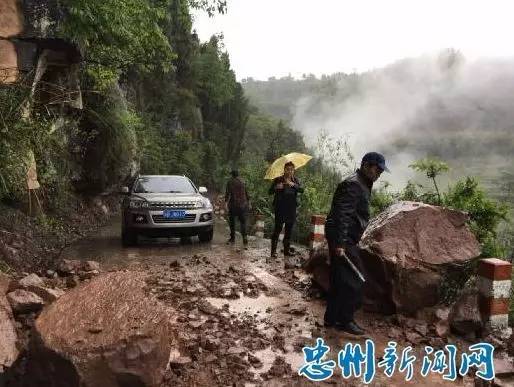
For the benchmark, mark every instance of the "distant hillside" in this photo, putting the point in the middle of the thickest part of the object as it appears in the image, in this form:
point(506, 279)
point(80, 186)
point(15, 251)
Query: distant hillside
point(440, 105)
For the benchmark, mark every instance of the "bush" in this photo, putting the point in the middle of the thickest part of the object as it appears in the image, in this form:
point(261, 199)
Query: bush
point(485, 214)
point(108, 135)
point(26, 127)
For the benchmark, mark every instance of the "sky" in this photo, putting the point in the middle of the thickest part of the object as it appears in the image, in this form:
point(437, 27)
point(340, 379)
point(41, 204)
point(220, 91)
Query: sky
point(279, 37)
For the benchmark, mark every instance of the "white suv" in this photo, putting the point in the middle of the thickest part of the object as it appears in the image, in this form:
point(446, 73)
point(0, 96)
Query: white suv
point(165, 205)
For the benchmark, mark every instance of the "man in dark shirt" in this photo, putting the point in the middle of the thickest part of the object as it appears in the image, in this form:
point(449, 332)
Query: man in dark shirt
point(237, 202)
point(345, 224)
point(285, 188)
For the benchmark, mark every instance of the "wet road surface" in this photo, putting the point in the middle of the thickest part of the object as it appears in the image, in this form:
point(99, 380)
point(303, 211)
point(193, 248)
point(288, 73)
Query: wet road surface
point(241, 319)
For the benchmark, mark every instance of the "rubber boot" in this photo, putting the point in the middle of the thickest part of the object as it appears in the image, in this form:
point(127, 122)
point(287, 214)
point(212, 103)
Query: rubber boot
point(287, 249)
point(274, 243)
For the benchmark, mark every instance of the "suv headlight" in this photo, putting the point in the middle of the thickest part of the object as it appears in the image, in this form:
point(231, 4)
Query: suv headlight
point(203, 203)
point(138, 204)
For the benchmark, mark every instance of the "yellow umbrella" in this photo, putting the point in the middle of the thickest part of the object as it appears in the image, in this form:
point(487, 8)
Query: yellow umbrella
point(277, 168)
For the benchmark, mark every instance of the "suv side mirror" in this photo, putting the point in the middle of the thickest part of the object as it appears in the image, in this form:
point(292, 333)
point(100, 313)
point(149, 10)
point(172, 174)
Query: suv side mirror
point(202, 190)
point(124, 190)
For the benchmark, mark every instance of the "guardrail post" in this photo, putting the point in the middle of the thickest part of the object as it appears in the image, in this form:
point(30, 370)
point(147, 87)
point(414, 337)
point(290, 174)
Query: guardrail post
point(494, 284)
point(317, 236)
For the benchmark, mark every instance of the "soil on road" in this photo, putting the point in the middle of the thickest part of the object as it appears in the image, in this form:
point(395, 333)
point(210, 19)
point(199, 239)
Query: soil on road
point(242, 320)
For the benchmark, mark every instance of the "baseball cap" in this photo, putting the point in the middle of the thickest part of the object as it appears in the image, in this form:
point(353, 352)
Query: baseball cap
point(376, 159)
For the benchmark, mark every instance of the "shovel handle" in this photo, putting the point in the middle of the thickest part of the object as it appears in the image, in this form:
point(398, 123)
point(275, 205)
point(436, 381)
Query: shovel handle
point(352, 266)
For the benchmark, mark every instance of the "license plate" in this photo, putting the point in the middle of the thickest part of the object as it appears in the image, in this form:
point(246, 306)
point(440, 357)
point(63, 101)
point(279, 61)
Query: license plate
point(172, 214)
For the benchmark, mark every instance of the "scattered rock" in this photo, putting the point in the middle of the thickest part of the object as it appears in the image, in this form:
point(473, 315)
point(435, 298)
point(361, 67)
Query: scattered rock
point(47, 294)
point(395, 333)
point(196, 324)
point(174, 263)
point(180, 361)
point(85, 275)
point(236, 350)
point(298, 310)
point(442, 313)
point(437, 342)
point(413, 337)
point(91, 266)
point(72, 281)
point(5, 282)
point(32, 280)
point(8, 350)
point(442, 328)
point(23, 301)
point(464, 317)
point(210, 358)
point(207, 308)
point(255, 361)
point(422, 329)
point(279, 369)
point(131, 344)
point(503, 367)
point(69, 267)
point(212, 344)
point(318, 265)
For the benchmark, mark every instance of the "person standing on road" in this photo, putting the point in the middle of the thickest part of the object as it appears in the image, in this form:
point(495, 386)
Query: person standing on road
point(237, 203)
point(286, 189)
point(345, 224)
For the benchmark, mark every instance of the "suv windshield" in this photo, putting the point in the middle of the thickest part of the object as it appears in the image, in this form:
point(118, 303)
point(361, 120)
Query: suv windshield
point(164, 184)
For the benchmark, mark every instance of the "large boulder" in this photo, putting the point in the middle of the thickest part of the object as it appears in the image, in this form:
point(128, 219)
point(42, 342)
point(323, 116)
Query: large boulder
point(107, 332)
point(8, 337)
point(406, 252)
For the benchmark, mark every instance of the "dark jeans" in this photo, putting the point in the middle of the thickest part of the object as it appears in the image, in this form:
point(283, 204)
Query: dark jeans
point(279, 224)
point(345, 292)
point(239, 213)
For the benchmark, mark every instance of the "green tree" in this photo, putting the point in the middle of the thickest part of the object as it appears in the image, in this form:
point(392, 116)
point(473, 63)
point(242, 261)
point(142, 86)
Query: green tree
point(432, 168)
point(117, 35)
point(485, 214)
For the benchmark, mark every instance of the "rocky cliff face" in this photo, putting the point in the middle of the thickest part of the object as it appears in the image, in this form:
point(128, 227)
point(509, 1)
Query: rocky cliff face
point(31, 48)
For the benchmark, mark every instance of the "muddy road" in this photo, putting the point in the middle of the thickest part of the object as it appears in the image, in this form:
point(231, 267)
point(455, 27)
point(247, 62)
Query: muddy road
point(242, 320)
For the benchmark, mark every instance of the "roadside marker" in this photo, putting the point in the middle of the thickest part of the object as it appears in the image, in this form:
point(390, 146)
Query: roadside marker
point(494, 284)
point(317, 236)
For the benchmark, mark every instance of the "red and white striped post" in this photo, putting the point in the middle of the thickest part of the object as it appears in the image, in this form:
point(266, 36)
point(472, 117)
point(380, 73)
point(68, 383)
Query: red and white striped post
point(259, 226)
point(317, 231)
point(494, 284)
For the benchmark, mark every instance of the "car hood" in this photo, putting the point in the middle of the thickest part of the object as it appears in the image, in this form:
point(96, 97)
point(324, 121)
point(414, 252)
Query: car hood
point(167, 197)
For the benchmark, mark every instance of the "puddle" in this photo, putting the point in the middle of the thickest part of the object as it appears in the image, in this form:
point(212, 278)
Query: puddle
point(104, 246)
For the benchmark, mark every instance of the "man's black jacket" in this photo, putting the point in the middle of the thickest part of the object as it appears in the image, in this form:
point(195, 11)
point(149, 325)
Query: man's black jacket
point(349, 214)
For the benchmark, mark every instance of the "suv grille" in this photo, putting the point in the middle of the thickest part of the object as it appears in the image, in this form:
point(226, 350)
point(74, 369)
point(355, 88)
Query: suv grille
point(172, 205)
point(190, 218)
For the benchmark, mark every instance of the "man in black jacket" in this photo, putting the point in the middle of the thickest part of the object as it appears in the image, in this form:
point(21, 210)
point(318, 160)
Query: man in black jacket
point(285, 188)
point(345, 224)
point(237, 202)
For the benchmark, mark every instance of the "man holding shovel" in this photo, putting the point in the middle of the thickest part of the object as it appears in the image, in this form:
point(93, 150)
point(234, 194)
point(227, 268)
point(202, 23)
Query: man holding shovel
point(345, 224)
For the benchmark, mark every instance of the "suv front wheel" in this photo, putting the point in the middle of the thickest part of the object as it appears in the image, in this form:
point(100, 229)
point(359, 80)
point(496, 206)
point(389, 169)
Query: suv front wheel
point(206, 236)
point(128, 238)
